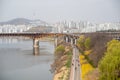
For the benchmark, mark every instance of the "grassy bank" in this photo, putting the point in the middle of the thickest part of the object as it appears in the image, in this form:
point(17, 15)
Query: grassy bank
point(62, 63)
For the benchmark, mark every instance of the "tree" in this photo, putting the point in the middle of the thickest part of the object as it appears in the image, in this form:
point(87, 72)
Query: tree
point(80, 42)
point(109, 66)
point(87, 43)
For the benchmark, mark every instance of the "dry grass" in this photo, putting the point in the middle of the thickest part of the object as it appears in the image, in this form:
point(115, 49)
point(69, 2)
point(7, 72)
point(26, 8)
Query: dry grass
point(93, 75)
point(61, 64)
point(62, 75)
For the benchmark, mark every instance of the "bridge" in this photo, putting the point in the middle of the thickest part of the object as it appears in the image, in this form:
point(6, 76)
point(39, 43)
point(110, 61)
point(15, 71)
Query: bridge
point(71, 38)
point(36, 36)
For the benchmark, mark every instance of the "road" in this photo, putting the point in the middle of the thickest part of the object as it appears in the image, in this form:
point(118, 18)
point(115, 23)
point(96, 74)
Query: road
point(75, 65)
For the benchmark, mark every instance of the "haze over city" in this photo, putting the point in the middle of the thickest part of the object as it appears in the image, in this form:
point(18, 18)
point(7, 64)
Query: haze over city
point(59, 39)
point(59, 10)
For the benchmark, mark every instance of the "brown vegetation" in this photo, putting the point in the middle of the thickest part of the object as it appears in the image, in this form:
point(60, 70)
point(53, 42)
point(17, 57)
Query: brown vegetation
point(96, 42)
point(99, 42)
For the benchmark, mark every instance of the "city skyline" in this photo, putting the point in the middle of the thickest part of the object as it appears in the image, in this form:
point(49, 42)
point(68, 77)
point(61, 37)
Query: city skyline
point(55, 10)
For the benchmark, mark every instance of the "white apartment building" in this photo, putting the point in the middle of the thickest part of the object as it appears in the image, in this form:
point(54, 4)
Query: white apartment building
point(84, 26)
point(14, 28)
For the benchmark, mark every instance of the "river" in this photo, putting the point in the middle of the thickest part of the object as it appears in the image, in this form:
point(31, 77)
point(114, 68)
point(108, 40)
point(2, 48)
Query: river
point(17, 61)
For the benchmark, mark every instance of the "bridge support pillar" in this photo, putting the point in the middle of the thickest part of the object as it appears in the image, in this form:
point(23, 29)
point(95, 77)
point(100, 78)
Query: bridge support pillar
point(66, 39)
point(56, 41)
point(35, 46)
point(71, 41)
point(75, 41)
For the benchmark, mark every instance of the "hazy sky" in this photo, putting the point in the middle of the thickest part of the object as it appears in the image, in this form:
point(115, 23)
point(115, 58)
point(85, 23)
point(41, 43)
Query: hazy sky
point(58, 10)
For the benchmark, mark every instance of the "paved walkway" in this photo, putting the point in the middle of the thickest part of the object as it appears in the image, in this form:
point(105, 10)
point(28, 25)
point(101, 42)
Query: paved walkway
point(75, 65)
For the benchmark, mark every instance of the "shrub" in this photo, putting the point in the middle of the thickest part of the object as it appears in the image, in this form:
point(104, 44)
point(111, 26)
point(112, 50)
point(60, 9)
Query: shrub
point(80, 42)
point(59, 51)
point(68, 63)
point(87, 43)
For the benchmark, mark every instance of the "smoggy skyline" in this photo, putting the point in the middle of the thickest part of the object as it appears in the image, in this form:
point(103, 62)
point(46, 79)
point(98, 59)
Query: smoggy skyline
point(59, 10)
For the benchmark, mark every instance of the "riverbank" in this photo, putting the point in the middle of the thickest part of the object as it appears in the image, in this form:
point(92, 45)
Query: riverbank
point(62, 63)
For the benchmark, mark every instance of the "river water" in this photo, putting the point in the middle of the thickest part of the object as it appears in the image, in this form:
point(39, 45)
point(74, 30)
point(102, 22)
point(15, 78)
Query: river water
point(17, 61)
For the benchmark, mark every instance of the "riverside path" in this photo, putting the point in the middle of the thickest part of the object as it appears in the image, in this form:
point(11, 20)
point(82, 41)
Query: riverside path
point(75, 65)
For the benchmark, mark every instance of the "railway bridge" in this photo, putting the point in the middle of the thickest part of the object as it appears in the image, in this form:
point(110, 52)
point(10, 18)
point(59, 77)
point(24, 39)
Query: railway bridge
point(36, 36)
point(68, 37)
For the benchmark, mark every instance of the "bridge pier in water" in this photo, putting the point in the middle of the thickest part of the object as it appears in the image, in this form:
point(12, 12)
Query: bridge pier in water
point(35, 46)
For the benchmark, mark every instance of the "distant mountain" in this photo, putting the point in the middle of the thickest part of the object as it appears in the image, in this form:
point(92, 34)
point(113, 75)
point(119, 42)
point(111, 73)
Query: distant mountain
point(21, 21)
